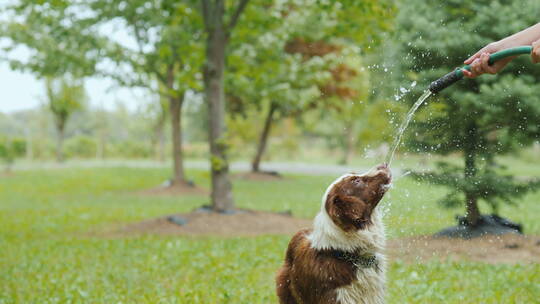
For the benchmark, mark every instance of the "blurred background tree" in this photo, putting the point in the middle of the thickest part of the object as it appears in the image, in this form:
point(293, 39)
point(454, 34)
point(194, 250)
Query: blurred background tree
point(265, 80)
point(347, 92)
point(64, 97)
point(159, 112)
point(166, 59)
point(480, 118)
point(60, 52)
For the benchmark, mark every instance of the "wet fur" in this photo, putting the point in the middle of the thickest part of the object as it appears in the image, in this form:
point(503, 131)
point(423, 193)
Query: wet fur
point(348, 221)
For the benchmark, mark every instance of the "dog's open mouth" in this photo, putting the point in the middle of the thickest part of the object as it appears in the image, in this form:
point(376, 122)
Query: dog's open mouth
point(386, 175)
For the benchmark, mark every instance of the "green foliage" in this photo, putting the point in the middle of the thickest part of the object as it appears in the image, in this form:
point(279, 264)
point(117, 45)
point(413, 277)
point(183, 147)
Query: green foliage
point(18, 146)
point(5, 153)
point(284, 53)
point(479, 118)
point(69, 38)
point(64, 97)
point(494, 188)
point(265, 65)
point(168, 44)
point(130, 149)
point(261, 71)
point(349, 85)
point(81, 146)
point(377, 116)
point(57, 45)
point(241, 131)
point(360, 22)
point(217, 164)
point(354, 111)
point(10, 149)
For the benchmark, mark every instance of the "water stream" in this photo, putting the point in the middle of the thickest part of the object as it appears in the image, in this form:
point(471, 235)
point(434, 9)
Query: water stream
point(404, 125)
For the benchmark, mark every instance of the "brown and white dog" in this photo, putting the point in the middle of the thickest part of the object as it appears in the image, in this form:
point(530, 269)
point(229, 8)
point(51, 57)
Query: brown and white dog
point(341, 259)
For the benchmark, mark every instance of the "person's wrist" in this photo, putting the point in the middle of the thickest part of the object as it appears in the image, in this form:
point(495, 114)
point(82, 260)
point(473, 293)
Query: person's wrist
point(507, 43)
point(514, 41)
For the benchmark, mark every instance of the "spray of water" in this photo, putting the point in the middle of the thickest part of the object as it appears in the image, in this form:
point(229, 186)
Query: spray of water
point(404, 125)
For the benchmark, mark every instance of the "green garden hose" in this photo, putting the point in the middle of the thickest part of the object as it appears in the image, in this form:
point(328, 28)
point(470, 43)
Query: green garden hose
point(457, 74)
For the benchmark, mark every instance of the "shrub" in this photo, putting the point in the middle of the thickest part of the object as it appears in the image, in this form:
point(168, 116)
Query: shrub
point(81, 146)
point(10, 149)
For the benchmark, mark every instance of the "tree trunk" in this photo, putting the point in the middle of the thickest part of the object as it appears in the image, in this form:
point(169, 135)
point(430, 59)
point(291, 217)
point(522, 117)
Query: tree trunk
point(263, 140)
point(175, 107)
point(222, 199)
point(60, 128)
point(159, 136)
point(472, 211)
point(160, 142)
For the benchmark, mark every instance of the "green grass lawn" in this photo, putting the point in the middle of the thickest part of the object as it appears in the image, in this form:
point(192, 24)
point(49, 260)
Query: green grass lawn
point(46, 255)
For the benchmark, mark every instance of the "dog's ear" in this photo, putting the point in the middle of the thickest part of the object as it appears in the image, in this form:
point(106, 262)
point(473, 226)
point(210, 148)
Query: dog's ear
point(348, 212)
point(346, 201)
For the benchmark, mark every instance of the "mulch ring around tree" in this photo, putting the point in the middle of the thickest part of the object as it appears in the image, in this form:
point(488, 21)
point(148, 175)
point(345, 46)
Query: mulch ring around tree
point(202, 222)
point(507, 248)
point(180, 189)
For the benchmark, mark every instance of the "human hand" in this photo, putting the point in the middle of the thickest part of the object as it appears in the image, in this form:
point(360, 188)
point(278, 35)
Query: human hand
point(479, 61)
point(535, 54)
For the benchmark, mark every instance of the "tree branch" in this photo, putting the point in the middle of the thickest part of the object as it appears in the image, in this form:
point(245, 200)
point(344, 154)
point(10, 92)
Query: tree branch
point(161, 77)
point(151, 67)
point(236, 15)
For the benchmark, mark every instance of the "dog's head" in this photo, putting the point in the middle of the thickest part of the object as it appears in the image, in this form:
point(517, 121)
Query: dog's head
point(350, 200)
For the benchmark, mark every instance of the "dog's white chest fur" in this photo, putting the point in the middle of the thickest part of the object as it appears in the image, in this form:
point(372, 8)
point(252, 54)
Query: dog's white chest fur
point(369, 286)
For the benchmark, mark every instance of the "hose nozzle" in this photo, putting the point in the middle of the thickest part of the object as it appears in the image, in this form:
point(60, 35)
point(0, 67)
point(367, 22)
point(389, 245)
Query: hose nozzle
point(445, 81)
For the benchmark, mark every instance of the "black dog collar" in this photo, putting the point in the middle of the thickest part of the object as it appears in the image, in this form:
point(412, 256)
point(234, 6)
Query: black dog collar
point(358, 260)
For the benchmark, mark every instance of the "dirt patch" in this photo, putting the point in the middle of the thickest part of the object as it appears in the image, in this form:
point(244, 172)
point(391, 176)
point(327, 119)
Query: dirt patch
point(259, 176)
point(507, 248)
point(7, 174)
point(241, 223)
point(174, 190)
